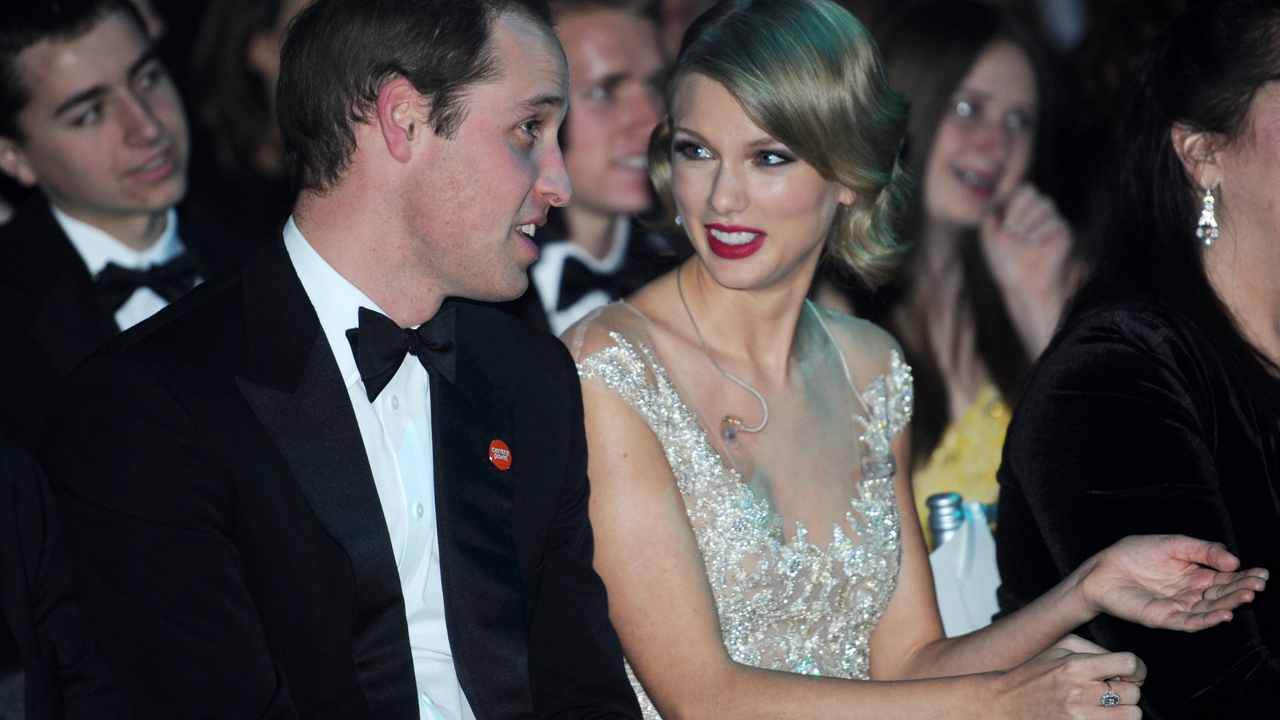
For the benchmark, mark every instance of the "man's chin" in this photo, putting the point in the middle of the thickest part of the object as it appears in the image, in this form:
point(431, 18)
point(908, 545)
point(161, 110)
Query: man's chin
point(510, 289)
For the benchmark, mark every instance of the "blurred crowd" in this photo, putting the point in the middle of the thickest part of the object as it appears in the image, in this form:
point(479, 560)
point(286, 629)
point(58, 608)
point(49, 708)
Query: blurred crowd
point(176, 174)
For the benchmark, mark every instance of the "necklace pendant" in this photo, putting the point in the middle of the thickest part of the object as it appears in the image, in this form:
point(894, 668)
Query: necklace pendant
point(729, 430)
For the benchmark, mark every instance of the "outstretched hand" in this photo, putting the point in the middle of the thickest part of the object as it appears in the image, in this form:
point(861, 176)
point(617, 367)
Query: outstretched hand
point(1171, 582)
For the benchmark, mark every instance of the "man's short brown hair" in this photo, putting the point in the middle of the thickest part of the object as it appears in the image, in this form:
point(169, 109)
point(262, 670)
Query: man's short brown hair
point(340, 53)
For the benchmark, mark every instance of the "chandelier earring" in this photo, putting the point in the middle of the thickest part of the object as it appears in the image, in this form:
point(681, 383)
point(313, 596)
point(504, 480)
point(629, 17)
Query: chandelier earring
point(1207, 228)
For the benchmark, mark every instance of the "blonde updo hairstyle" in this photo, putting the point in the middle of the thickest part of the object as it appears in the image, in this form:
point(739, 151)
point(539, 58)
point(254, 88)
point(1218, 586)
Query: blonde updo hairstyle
point(808, 74)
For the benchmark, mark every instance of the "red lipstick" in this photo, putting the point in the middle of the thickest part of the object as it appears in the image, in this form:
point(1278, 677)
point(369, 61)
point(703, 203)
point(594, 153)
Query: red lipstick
point(734, 252)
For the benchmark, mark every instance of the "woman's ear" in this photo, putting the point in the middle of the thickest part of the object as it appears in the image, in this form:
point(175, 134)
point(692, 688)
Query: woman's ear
point(1200, 153)
point(847, 196)
point(262, 55)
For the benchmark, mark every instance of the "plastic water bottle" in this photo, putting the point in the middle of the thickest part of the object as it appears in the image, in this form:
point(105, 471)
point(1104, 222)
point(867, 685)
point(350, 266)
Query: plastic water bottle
point(946, 515)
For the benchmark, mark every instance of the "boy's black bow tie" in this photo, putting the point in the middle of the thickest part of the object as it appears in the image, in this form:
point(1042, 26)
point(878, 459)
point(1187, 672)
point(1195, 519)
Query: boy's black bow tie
point(170, 281)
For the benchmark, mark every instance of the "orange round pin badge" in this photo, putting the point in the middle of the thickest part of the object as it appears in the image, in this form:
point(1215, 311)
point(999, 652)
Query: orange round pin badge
point(500, 454)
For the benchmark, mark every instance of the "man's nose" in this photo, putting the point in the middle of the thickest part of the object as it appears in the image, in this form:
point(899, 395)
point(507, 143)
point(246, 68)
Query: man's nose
point(141, 126)
point(644, 111)
point(553, 183)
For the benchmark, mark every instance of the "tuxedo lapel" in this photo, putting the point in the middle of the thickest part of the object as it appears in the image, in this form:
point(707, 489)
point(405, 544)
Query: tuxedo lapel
point(70, 320)
point(485, 607)
point(297, 393)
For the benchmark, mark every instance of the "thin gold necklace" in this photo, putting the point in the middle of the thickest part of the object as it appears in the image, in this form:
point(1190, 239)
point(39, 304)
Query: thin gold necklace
point(730, 426)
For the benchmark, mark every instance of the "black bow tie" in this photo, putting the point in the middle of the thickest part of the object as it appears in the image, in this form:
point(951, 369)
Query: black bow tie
point(577, 280)
point(170, 281)
point(379, 345)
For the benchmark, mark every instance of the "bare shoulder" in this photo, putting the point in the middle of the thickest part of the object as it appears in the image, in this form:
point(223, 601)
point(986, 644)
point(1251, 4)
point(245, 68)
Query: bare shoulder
point(633, 321)
point(868, 348)
point(602, 329)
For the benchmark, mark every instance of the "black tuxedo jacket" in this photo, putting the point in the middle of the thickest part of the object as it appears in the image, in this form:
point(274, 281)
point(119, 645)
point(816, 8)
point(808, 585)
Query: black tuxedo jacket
point(50, 668)
point(50, 316)
point(231, 549)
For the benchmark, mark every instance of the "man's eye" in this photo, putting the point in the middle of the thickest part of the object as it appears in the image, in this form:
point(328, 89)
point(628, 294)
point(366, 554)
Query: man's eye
point(531, 127)
point(150, 78)
point(90, 116)
point(691, 151)
point(600, 93)
point(965, 109)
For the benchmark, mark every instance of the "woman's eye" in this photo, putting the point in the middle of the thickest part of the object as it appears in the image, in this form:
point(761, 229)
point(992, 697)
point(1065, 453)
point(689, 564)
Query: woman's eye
point(692, 151)
point(599, 93)
point(965, 109)
point(772, 159)
point(1020, 121)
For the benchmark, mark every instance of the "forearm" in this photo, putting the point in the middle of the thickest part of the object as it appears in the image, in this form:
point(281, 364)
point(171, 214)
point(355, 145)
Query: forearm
point(1035, 319)
point(1012, 640)
point(746, 693)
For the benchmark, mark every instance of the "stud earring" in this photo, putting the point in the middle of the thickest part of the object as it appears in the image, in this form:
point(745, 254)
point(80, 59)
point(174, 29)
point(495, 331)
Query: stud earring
point(679, 220)
point(1207, 228)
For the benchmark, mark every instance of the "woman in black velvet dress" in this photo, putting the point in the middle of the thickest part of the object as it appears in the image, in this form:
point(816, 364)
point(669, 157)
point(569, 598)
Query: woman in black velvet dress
point(1157, 407)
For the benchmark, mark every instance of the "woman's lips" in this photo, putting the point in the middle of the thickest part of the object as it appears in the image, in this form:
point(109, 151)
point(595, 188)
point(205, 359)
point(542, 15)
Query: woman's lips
point(735, 241)
point(980, 184)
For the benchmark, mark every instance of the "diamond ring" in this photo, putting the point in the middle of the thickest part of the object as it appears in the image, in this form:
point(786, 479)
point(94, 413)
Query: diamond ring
point(1111, 699)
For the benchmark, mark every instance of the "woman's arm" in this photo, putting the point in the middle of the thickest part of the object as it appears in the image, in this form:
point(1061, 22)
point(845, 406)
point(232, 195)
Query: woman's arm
point(664, 611)
point(1157, 580)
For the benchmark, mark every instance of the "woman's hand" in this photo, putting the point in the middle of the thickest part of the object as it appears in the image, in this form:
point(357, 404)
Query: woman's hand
point(1171, 582)
point(1077, 644)
point(1025, 242)
point(1059, 683)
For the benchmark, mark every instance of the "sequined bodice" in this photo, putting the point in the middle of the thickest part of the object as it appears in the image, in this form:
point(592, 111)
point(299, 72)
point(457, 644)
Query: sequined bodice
point(783, 605)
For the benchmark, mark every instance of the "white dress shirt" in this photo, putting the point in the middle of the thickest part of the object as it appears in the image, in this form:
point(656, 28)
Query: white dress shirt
point(546, 273)
point(98, 247)
point(396, 429)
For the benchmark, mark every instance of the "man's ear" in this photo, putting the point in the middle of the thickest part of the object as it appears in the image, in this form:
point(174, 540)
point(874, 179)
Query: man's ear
point(13, 161)
point(400, 117)
point(1200, 153)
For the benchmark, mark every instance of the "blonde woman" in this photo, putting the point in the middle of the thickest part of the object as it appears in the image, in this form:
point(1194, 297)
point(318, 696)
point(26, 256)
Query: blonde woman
point(753, 521)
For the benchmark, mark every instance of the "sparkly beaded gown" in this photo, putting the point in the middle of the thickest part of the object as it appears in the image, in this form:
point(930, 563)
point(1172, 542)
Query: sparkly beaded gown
point(797, 524)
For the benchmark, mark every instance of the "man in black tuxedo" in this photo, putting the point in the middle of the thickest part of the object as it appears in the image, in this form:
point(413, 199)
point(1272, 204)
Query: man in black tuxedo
point(326, 486)
point(89, 117)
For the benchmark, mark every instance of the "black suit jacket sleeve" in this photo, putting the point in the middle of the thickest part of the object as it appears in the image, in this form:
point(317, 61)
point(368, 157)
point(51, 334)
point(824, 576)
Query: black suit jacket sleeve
point(64, 674)
point(1119, 434)
point(573, 650)
point(168, 596)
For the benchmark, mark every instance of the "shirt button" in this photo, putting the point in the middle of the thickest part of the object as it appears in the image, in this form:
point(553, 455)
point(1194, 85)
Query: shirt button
point(395, 402)
point(418, 510)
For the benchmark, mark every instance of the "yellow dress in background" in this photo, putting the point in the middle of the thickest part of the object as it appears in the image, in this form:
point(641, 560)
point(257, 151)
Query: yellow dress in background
point(967, 458)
